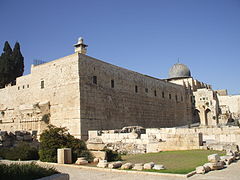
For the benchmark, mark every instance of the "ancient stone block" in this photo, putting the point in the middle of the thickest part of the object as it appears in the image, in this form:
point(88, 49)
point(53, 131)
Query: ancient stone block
point(127, 166)
point(148, 165)
point(158, 167)
point(115, 165)
point(102, 164)
point(213, 158)
point(138, 166)
point(64, 156)
point(99, 154)
point(95, 146)
point(200, 170)
point(81, 161)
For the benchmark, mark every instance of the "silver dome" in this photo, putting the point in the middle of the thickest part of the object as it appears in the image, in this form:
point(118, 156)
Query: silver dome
point(179, 71)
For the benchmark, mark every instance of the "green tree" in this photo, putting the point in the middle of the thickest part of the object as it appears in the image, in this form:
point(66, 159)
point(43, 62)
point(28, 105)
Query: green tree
point(5, 65)
point(11, 64)
point(18, 60)
point(54, 138)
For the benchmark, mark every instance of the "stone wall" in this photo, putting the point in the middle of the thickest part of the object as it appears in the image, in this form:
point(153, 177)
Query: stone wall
point(62, 92)
point(56, 84)
point(156, 103)
point(165, 139)
point(190, 83)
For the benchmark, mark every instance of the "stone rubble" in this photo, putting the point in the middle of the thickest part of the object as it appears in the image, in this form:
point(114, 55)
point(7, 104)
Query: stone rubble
point(213, 158)
point(200, 170)
point(115, 165)
point(102, 164)
point(127, 166)
point(81, 161)
point(148, 165)
point(158, 167)
point(138, 167)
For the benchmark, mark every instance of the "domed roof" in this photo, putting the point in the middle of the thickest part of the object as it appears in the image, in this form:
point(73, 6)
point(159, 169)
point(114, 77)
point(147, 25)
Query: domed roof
point(179, 71)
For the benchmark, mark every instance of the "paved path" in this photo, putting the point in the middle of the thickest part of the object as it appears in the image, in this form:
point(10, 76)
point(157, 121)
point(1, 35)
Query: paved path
point(230, 173)
point(79, 173)
point(89, 174)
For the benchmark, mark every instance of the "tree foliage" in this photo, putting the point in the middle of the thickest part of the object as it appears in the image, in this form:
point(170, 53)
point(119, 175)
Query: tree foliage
point(11, 64)
point(54, 138)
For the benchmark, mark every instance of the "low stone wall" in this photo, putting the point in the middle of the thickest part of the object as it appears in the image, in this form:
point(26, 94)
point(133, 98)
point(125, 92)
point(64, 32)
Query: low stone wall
point(162, 139)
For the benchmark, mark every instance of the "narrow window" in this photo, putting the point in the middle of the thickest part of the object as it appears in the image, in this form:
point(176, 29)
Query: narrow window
point(18, 87)
point(176, 97)
point(112, 83)
point(170, 96)
point(181, 98)
point(42, 84)
point(28, 86)
point(136, 89)
point(23, 86)
point(162, 94)
point(146, 90)
point(94, 79)
point(155, 93)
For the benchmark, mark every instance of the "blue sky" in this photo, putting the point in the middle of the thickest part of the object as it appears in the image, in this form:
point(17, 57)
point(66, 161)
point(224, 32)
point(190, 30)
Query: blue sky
point(144, 36)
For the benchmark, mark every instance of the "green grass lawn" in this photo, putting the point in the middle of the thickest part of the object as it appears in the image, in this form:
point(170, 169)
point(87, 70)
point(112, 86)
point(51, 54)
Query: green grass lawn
point(179, 162)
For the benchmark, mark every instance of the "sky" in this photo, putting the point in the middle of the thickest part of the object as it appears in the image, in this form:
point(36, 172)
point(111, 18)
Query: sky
point(143, 36)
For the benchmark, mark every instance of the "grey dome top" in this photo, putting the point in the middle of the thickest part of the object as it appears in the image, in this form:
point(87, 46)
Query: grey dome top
point(179, 71)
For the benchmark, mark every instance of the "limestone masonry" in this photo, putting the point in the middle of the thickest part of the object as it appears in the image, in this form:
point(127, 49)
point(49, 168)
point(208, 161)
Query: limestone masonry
point(83, 93)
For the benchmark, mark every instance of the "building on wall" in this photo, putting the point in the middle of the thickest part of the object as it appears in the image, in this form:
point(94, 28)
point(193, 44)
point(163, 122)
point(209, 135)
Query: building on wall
point(83, 93)
point(211, 107)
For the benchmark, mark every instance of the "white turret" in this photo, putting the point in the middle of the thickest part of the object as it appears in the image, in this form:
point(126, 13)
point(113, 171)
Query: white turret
point(80, 47)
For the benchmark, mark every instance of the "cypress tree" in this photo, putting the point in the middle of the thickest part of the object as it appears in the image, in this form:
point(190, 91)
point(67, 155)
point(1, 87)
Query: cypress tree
point(5, 65)
point(18, 60)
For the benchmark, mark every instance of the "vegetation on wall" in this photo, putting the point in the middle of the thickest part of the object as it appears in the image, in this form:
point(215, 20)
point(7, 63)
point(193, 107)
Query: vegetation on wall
point(54, 137)
point(11, 64)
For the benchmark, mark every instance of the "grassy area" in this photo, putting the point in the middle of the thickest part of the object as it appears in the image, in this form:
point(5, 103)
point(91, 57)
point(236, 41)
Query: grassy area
point(179, 162)
point(31, 171)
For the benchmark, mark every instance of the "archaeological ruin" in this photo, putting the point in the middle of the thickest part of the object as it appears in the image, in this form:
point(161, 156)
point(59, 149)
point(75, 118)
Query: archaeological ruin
point(91, 97)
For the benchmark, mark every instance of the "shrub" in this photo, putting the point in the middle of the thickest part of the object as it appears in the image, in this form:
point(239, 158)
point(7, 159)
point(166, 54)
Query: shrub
point(31, 171)
point(22, 151)
point(54, 138)
point(112, 155)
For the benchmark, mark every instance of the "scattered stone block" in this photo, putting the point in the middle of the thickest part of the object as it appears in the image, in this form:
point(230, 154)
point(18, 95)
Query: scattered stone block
point(148, 165)
point(64, 156)
point(96, 146)
point(206, 167)
point(115, 165)
point(102, 164)
point(200, 170)
point(81, 161)
point(138, 167)
point(96, 160)
point(99, 154)
point(213, 158)
point(227, 159)
point(127, 166)
point(215, 166)
point(158, 167)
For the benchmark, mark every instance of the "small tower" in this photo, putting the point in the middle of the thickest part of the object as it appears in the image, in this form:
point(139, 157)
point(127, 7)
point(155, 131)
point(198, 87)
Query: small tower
point(80, 47)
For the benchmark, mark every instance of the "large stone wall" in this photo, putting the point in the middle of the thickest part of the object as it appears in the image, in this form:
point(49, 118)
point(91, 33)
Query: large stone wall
point(23, 106)
point(62, 91)
point(107, 107)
